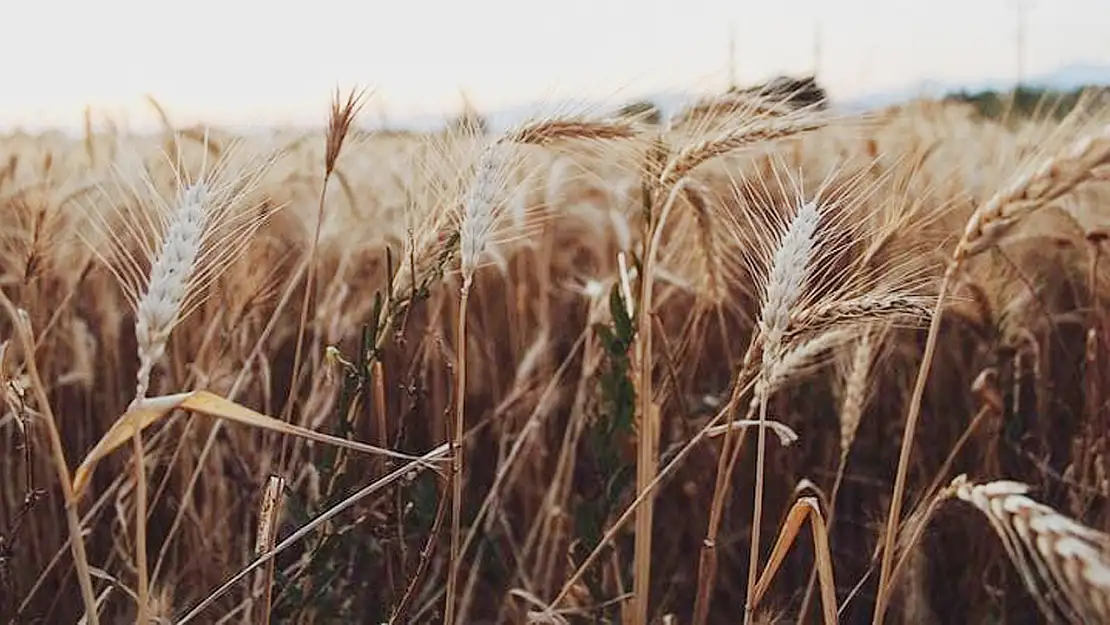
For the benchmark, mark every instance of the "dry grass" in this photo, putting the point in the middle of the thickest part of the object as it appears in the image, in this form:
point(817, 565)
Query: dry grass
point(511, 378)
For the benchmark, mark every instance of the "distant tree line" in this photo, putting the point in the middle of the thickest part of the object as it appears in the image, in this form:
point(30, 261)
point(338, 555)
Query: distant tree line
point(1025, 102)
point(803, 92)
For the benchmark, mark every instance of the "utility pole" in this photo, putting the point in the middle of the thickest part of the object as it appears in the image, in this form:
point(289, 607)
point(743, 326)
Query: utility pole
point(1021, 8)
point(732, 56)
point(816, 48)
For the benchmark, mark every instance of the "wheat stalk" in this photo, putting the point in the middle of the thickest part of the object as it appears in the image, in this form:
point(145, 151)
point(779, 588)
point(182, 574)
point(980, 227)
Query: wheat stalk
point(340, 119)
point(479, 216)
point(787, 278)
point(987, 227)
point(23, 332)
point(197, 239)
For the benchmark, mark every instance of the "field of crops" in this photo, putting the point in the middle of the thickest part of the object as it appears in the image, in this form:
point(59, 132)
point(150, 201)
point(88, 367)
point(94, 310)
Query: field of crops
point(472, 377)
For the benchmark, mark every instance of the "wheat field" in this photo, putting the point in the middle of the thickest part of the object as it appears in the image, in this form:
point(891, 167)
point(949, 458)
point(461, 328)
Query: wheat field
point(473, 377)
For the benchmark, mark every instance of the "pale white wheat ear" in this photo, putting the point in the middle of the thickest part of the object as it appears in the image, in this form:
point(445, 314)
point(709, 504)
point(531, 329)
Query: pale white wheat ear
point(479, 209)
point(164, 255)
point(166, 252)
point(798, 248)
point(786, 281)
point(790, 270)
point(479, 215)
point(1064, 564)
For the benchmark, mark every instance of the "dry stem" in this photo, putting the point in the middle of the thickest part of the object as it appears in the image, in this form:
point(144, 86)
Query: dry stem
point(57, 452)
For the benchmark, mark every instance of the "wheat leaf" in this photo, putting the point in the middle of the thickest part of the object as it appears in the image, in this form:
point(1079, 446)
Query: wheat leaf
point(148, 411)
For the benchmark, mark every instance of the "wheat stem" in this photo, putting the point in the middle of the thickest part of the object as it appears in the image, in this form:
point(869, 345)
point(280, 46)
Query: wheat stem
point(907, 444)
point(57, 454)
point(455, 441)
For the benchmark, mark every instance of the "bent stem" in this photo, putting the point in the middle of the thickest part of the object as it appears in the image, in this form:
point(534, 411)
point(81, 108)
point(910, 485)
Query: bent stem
point(455, 440)
point(907, 445)
point(757, 507)
point(802, 510)
point(57, 453)
point(807, 598)
point(707, 563)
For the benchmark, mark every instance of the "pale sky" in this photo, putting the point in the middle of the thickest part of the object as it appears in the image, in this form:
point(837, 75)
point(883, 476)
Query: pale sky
point(252, 61)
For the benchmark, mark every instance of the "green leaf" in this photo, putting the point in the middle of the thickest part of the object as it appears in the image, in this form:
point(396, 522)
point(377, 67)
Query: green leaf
point(621, 321)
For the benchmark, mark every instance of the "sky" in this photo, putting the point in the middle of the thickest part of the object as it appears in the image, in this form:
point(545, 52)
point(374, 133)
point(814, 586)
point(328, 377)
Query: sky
point(277, 61)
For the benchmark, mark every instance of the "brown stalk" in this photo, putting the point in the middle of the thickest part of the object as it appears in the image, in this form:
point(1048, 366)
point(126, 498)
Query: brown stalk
point(57, 452)
point(647, 460)
point(339, 124)
point(986, 227)
point(377, 373)
point(455, 440)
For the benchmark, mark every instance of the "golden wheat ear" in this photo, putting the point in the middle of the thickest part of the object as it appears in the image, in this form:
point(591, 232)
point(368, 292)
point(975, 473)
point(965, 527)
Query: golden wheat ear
point(1064, 564)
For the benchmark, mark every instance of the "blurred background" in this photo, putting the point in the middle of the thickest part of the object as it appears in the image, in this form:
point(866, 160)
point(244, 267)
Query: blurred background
point(276, 62)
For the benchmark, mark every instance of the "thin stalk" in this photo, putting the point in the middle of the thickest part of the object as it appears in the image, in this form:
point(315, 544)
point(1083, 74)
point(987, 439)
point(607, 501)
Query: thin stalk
point(57, 453)
point(309, 292)
point(456, 441)
point(707, 564)
point(907, 444)
point(647, 461)
point(143, 599)
point(757, 507)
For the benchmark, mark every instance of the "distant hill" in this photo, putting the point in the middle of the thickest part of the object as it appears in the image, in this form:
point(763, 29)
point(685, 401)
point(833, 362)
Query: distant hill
point(1066, 78)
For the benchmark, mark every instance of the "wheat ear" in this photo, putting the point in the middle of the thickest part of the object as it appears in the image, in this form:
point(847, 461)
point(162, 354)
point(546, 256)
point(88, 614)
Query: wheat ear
point(160, 307)
point(548, 131)
point(478, 221)
point(695, 154)
point(158, 311)
point(789, 271)
point(1065, 565)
